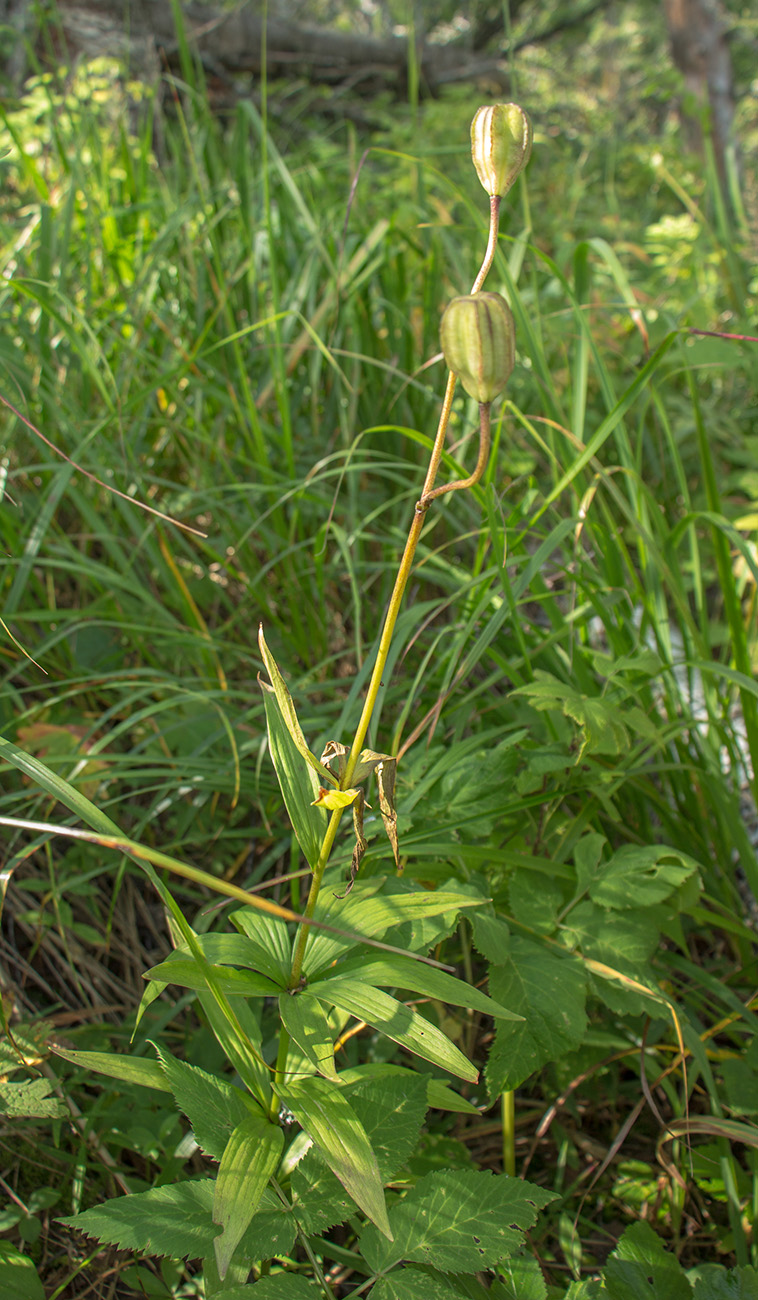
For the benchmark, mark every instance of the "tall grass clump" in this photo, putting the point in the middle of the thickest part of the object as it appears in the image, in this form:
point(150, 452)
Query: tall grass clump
point(558, 721)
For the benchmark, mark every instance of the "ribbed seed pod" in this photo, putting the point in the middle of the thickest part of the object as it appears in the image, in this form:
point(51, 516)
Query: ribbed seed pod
point(501, 142)
point(477, 335)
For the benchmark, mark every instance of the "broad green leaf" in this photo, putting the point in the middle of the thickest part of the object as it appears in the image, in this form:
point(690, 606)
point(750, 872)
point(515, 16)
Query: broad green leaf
point(251, 1156)
point(213, 1106)
point(519, 1278)
point(371, 914)
point(253, 950)
point(550, 992)
point(401, 972)
point(182, 969)
point(30, 1099)
point(239, 1037)
point(626, 940)
point(600, 718)
point(297, 781)
point(459, 1221)
point(640, 1268)
point(398, 1022)
point(307, 1024)
point(713, 1282)
point(175, 1220)
point(277, 1286)
point(411, 1283)
point(328, 1118)
point(441, 1097)
point(269, 935)
point(640, 875)
point(319, 1201)
point(438, 1093)
point(491, 936)
point(19, 1279)
point(129, 1069)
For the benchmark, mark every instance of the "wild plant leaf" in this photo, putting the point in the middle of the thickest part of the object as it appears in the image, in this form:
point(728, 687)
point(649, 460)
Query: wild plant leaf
point(519, 1278)
point(400, 972)
point(550, 992)
point(640, 875)
point(626, 940)
point(250, 1158)
point(491, 935)
point(286, 709)
point(307, 1024)
point(714, 1282)
point(270, 935)
point(599, 718)
point(372, 914)
point(240, 1041)
point(458, 1221)
point(175, 1220)
point(409, 1283)
point(327, 1117)
point(319, 1201)
point(277, 1286)
point(30, 1099)
point(129, 1069)
point(213, 1106)
point(19, 1279)
point(438, 1094)
point(640, 1268)
point(182, 969)
point(400, 1023)
point(246, 949)
point(441, 1097)
point(298, 783)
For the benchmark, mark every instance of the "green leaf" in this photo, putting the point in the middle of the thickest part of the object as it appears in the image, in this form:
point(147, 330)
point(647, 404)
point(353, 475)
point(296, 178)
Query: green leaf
point(239, 1036)
point(213, 1106)
point(251, 1156)
point(177, 1221)
point(297, 782)
point(319, 1201)
point(287, 712)
point(461, 1222)
point(550, 992)
point(277, 1286)
point(19, 1279)
point(328, 1118)
point(641, 1269)
point(174, 1220)
point(713, 1282)
point(246, 949)
point(640, 875)
point(623, 940)
point(371, 914)
point(520, 1278)
point(415, 1284)
point(402, 972)
point(307, 1024)
point(182, 969)
point(271, 940)
point(128, 1069)
point(599, 718)
point(398, 1022)
point(30, 1099)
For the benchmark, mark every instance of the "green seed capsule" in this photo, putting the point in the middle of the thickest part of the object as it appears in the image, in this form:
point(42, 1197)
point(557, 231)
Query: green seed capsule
point(477, 335)
point(501, 142)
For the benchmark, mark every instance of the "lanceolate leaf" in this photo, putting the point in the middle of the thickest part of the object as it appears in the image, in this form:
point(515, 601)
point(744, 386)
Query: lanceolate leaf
point(251, 1156)
point(298, 782)
point(129, 1069)
point(307, 1024)
point(329, 1119)
point(459, 1221)
point(182, 969)
point(399, 972)
point(287, 711)
point(394, 1019)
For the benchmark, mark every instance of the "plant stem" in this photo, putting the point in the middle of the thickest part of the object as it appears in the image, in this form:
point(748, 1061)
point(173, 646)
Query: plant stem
point(509, 1133)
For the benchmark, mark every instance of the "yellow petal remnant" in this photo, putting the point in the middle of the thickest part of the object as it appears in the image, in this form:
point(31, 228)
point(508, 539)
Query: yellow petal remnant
point(501, 142)
point(477, 335)
point(333, 799)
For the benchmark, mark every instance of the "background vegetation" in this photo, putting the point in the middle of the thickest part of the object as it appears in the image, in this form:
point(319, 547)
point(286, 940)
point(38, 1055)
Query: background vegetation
point(229, 320)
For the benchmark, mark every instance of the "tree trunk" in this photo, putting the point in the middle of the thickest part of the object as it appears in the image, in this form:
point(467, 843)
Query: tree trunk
point(700, 50)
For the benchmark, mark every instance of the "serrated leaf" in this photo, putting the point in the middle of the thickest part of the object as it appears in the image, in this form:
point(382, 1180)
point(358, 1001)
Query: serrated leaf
point(713, 1282)
point(128, 1069)
point(411, 1283)
point(460, 1222)
point(400, 1023)
point(307, 1024)
point(550, 992)
point(491, 935)
point(30, 1099)
point(277, 1286)
point(640, 875)
point(401, 972)
point(174, 1220)
point(328, 1118)
point(213, 1106)
point(250, 1158)
point(319, 1201)
point(640, 1268)
point(599, 718)
point(520, 1278)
